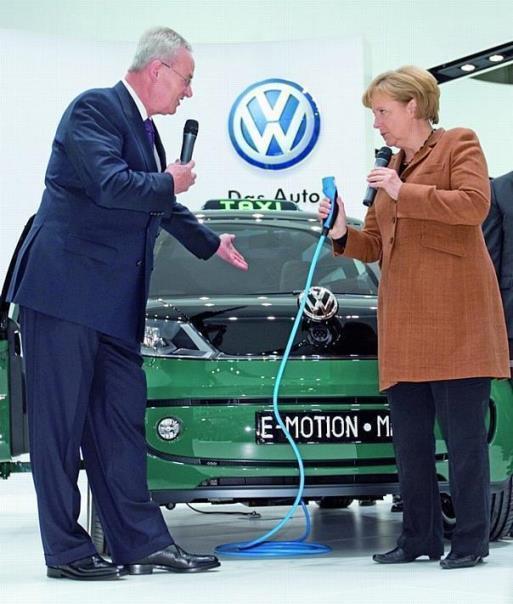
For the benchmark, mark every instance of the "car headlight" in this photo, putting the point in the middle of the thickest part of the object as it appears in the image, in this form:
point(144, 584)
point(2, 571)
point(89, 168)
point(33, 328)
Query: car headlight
point(168, 338)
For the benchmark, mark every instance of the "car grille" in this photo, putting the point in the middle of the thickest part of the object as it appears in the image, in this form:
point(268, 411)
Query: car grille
point(294, 481)
point(220, 402)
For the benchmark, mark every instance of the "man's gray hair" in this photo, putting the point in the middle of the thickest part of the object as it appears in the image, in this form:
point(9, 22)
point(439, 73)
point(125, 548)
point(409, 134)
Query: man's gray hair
point(157, 43)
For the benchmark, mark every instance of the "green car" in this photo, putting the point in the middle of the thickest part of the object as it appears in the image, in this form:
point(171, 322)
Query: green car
point(214, 339)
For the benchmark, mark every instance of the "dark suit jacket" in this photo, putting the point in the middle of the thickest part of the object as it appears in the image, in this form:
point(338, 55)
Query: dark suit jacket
point(89, 254)
point(498, 232)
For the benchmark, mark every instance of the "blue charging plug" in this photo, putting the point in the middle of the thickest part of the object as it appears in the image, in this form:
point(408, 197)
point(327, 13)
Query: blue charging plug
point(329, 188)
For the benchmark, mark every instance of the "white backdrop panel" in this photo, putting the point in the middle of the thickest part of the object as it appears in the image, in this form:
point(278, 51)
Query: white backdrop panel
point(41, 75)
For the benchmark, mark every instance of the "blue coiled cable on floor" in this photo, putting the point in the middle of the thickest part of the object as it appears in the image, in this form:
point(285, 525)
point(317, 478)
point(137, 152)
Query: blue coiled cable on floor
point(262, 547)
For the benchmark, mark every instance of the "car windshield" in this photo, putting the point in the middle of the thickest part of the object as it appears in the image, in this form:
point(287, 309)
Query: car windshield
point(278, 255)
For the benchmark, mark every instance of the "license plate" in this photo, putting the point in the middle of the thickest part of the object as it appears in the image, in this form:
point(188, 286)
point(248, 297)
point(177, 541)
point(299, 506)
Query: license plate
point(362, 426)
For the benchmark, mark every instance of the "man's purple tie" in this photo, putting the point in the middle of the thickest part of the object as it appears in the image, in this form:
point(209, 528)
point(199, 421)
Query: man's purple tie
point(150, 131)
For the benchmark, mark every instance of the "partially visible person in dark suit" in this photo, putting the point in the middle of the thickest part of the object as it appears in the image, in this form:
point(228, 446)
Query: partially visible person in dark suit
point(81, 281)
point(441, 328)
point(498, 232)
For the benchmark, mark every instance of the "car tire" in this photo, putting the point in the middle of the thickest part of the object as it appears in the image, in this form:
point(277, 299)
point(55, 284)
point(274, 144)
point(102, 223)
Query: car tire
point(501, 513)
point(94, 527)
point(334, 503)
point(501, 521)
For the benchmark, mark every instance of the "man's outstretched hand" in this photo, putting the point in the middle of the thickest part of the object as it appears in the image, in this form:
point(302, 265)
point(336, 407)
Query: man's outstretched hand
point(228, 253)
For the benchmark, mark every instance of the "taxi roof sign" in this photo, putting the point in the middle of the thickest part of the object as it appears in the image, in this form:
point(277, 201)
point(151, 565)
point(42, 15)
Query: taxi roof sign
point(250, 205)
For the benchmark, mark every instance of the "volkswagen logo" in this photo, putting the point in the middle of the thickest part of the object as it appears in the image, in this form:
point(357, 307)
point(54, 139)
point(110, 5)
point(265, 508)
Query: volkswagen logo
point(274, 124)
point(321, 304)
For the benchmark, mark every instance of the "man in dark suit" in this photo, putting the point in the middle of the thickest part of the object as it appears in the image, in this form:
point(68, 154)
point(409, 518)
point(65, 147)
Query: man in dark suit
point(81, 281)
point(498, 232)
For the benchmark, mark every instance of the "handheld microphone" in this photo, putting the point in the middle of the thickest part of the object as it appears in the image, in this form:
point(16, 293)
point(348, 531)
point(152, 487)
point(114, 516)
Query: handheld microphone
point(382, 160)
point(190, 131)
point(330, 190)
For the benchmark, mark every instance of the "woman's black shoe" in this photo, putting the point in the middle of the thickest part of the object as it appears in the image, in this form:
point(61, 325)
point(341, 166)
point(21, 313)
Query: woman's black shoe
point(399, 556)
point(454, 561)
point(92, 568)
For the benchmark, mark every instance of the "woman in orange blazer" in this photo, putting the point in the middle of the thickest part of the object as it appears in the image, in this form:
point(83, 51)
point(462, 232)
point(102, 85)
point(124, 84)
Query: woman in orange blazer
point(441, 326)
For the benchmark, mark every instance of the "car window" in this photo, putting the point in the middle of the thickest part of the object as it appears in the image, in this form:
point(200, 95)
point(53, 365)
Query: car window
point(279, 259)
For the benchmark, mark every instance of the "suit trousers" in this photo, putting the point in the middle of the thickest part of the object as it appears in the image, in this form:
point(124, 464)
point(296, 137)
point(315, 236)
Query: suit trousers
point(460, 406)
point(86, 391)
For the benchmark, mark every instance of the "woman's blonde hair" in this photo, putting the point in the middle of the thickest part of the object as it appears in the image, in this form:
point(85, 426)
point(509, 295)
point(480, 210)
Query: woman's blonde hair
point(403, 85)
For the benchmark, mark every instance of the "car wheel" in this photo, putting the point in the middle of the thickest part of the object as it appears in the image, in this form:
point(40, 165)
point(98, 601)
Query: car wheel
point(501, 513)
point(94, 527)
point(501, 521)
point(448, 515)
point(334, 503)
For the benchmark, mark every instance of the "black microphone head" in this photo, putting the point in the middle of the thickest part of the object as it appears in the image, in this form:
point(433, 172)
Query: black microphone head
point(382, 160)
point(190, 131)
point(385, 153)
point(191, 127)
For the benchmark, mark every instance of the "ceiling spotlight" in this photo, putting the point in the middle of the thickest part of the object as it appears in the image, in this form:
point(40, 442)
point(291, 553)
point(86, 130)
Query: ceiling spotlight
point(489, 59)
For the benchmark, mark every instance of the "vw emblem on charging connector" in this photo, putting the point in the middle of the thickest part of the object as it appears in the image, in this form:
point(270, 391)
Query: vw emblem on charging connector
point(321, 304)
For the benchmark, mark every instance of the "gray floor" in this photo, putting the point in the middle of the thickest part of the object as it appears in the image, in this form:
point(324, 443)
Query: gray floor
point(347, 575)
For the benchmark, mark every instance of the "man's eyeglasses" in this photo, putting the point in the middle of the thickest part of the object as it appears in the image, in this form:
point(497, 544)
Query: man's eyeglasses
point(186, 81)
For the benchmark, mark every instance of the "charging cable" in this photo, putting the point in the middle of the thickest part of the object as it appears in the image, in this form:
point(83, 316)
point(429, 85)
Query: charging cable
point(262, 547)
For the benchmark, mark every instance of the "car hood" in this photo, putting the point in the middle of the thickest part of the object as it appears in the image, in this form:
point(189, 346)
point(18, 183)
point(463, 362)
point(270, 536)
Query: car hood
point(260, 325)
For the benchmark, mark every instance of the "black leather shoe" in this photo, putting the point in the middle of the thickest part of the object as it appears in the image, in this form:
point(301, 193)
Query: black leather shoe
point(92, 568)
point(453, 560)
point(173, 559)
point(399, 556)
